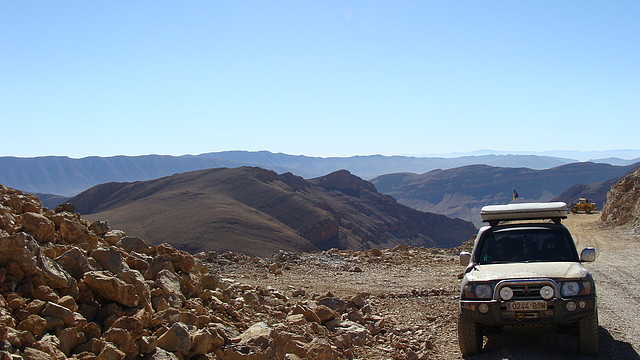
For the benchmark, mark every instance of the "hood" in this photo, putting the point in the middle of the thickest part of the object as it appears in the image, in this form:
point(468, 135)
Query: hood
point(553, 270)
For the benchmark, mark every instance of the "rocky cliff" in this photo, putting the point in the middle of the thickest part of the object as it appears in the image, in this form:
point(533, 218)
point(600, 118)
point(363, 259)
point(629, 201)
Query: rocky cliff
point(623, 202)
point(71, 289)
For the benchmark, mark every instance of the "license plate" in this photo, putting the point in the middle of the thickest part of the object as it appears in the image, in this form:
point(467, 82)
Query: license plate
point(527, 306)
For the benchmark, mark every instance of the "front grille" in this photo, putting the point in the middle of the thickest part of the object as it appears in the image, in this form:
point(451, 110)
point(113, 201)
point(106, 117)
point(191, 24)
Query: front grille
point(526, 289)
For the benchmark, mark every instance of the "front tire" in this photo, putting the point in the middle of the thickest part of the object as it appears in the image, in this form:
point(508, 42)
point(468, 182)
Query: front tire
point(469, 336)
point(588, 334)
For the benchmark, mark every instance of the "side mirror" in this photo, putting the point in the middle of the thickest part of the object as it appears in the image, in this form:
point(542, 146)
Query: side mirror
point(588, 254)
point(465, 258)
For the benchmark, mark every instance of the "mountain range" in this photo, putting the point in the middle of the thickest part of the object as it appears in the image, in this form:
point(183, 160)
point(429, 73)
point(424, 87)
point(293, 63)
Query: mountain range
point(258, 212)
point(461, 192)
point(66, 176)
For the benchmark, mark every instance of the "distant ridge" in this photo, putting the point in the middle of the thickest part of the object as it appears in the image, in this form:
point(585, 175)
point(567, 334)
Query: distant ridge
point(67, 177)
point(461, 192)
point(595, 192)
point(258, 212)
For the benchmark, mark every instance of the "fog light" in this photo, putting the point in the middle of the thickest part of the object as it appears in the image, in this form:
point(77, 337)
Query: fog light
point(583, 304)
point(571, 306)
point(506, 293)
point(483, 308)
point(546, 292)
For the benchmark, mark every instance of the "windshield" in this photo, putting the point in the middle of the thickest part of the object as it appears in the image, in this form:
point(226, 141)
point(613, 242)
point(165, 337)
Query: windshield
point(526, 245)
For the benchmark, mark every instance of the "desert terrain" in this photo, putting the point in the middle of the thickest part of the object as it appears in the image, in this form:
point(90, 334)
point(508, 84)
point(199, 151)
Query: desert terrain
point(416, 291)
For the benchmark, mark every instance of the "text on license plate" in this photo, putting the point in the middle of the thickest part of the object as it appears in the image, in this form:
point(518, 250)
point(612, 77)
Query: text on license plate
point(527, 305)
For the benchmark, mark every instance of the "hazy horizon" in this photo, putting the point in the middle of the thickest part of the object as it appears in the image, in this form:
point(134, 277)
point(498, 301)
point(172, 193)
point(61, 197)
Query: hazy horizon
point(624, 154)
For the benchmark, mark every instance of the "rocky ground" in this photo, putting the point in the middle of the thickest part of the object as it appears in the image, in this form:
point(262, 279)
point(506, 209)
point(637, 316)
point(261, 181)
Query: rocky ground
point(415, 291)
point(71, 289)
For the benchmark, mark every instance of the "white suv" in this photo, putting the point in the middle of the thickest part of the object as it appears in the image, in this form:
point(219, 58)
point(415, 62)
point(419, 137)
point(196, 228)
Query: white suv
point(526, 274)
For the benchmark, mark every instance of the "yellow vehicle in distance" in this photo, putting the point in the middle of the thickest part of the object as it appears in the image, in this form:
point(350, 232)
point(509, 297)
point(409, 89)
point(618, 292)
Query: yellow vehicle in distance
point(583, 205)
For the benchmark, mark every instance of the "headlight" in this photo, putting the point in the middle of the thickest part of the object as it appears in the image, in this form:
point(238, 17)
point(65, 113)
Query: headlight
point(506, 293)
point(478, 291)
point(570, 288)
point(577, 288)
point(546, 292)
point(483, 291)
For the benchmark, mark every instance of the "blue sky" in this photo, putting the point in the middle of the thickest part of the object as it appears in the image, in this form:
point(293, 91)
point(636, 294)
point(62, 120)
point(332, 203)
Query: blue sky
point(318, 78)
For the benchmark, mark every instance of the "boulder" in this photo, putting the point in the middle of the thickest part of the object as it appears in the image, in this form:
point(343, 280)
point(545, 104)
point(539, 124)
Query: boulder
point(45, 293)
point(75, 262)
point(132, 243)
point(7, 222)
point(182, 261)
point(321, 349)
point(30, 353)
point(357, 333)
point(70, 337)
point(158, 264)
point(50, 344)
point(143, 291)
point(99, 227)
point(73, 232)
point(176, 339)
point(35, 306)
point(21, 249)
point(160, 354)
point(325, 314)
point(169, 282)
point(60, 312)
point(204, 341)
point(112, 288)
point(132, 324)
point(41, 228)
point(111, 352)
point(66, 207)
point(123, 340)
point(54, 275)
point(259, 335)
point(334, 303)
point(109, 258)
point(309, 314)
point(138, 261)
point(112, 237)
point(69, 302)
point(34, 324)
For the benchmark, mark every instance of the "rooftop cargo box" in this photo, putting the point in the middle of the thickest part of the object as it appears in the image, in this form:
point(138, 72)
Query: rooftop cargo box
point(524, 211)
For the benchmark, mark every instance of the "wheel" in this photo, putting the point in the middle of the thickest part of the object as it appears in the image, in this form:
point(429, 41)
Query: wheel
point(588, 334)
point(469, 336)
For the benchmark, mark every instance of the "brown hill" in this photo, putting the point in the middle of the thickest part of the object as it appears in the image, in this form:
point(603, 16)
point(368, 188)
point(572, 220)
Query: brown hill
point(259, 212)
point(623, 202)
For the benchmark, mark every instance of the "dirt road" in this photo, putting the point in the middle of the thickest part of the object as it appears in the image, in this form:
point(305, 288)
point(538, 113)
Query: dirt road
point(416, 291)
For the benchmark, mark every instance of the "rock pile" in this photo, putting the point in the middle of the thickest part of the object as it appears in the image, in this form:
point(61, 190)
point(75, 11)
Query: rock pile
point(70, 289)
point(623, 202)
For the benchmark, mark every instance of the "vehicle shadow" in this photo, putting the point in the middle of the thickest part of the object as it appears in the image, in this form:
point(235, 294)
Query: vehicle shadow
point(551, 346)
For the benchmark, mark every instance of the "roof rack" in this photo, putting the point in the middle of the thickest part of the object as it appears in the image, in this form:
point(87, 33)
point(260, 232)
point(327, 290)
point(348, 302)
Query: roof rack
point(493, 214)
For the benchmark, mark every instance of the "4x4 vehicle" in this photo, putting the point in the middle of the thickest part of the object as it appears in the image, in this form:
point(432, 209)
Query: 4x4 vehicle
point(526, 275)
